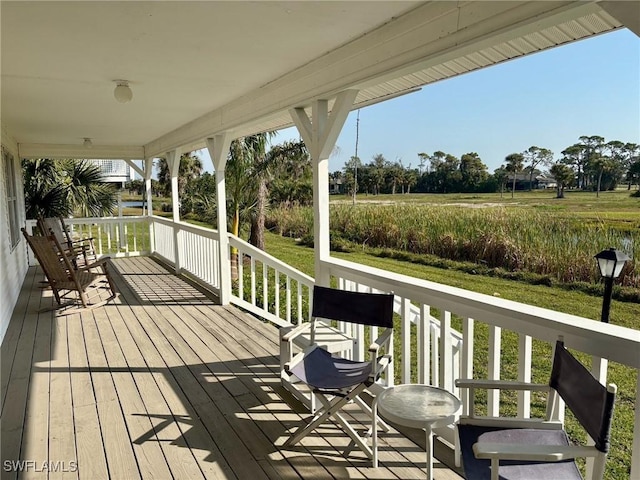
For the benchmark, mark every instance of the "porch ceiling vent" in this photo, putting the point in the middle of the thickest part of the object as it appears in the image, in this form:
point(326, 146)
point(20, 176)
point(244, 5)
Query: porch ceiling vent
point(122, 92)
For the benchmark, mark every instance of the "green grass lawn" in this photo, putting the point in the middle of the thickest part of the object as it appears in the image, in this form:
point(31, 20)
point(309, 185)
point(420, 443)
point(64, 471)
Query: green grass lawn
point(623, 313)
point(574, 201)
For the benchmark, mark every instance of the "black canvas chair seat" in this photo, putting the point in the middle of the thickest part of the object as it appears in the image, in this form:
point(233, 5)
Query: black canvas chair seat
point(480, 469)
point(324, 371)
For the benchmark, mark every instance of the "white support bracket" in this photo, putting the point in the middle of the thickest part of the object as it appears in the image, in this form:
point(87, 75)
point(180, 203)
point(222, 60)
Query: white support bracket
point(135, 167)
point(218, 147)
point(320, 133)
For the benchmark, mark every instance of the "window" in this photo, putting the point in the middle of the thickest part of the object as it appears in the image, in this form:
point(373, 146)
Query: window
point(12, 199)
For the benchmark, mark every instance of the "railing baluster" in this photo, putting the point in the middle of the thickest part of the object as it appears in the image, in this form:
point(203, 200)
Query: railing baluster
point(265, 286)
point(276, 286)
point(135, 237)
point(466, 367)
point(288, 300)
point(493, 367)
point(435, 355)
point(405, 341)
point(100, 239)
point(240, 275)
point(299, 303)
point(524, 374)
point(424, 346)
point(253, 281)
point(446, 352)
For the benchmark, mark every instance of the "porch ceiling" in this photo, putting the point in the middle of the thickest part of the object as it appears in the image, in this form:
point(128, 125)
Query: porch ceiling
point(197, 68)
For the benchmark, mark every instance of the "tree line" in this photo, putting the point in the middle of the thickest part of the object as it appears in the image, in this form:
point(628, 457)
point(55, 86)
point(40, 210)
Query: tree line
point(257, 176)
point(590, 164)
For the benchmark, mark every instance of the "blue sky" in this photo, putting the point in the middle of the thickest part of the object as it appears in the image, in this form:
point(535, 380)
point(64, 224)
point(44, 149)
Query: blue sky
point(549, 99)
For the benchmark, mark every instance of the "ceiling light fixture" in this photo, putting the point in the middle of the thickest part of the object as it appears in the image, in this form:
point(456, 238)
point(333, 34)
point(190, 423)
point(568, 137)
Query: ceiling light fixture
point(123, 92)
point(87, 142)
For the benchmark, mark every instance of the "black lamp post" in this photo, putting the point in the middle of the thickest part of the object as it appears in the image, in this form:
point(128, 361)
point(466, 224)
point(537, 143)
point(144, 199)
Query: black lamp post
point(610, 263)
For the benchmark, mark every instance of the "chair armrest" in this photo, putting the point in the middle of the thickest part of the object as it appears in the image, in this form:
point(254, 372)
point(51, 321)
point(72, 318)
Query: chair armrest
point(500, 385)
point(296, 332)
point(99, 263)
point(381, 341)
point(534, 453)
point(511, 422)
point(80, 240)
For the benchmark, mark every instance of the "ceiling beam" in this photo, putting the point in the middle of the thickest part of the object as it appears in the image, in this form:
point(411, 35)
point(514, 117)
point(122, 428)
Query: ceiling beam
point(430, 34)
point(627, 13)
point(55, 151)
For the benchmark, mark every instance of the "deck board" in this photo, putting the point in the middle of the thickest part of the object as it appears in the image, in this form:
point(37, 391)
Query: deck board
point(164, 383)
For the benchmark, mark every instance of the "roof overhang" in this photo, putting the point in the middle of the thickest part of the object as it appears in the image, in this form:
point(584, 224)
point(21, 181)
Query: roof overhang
point(201, 68)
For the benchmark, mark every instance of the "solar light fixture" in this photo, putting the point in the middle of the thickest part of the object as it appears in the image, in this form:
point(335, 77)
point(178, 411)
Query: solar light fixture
point(610, 263)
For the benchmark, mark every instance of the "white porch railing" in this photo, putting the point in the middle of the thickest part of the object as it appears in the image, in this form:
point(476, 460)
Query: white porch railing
point(474, 310)
point(113, 236)
point(197, 249)
point(269, 287)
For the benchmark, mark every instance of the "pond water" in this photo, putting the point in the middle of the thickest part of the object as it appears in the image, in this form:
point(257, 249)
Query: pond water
point(132, 204)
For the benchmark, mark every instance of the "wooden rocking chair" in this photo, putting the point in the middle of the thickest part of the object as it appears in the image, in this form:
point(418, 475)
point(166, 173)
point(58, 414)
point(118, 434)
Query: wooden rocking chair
point(63, 277)
point(81, 250)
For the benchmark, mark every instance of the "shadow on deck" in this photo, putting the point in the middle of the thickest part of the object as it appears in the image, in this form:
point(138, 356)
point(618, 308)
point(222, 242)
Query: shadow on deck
point(162, 383)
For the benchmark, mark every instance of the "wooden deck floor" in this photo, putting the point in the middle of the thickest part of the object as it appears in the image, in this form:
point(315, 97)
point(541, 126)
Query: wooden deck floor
point(162, 383)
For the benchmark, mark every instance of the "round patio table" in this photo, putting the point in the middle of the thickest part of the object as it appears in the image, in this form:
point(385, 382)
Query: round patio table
point(417, 406)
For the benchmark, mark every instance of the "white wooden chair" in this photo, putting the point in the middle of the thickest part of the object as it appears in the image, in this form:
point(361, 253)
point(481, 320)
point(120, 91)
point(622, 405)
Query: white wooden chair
point(518, 449)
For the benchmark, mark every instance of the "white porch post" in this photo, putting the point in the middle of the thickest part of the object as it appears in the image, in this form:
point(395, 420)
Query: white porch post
point(148, 167)
point(218, 147)
point(145, 172)
point(173, 162)
point(320, 133)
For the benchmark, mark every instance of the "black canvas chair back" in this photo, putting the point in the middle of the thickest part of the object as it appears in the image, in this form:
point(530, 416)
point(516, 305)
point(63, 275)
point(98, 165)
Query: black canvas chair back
point(353, 307)
point(586, 397)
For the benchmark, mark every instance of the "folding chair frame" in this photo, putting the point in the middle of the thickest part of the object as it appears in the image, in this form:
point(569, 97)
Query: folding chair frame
point(333, 400)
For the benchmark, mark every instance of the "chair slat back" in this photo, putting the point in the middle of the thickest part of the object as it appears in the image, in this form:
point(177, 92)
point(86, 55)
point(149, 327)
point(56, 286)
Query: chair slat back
point(55, 225)
point(588, 399)
point(374, 309)
point(55, 264)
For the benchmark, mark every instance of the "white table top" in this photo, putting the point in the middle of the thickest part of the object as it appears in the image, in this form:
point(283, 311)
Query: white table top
point(418, 406)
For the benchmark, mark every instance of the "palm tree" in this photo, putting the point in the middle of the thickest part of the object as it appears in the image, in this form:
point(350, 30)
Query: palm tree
point(257, 148)
point(563, 175)
point(514, 165)
point(189, 169)
point(65, 187)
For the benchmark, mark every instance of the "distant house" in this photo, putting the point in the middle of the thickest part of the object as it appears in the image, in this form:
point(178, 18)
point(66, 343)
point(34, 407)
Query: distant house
point(335, 186)
point(116, 172)
point(540, 181)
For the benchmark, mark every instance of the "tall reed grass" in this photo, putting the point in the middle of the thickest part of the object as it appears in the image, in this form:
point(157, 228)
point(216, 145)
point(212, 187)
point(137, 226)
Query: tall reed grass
point(514, 239)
